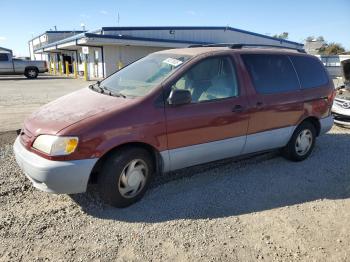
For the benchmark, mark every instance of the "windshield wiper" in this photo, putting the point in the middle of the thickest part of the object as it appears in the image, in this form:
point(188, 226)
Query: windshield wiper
point(97, 87)
point(117, 94)
point(104, 90)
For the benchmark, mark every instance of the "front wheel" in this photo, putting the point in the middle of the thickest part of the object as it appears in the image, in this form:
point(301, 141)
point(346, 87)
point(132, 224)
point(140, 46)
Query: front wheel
point(302, 142)
point(125, 176)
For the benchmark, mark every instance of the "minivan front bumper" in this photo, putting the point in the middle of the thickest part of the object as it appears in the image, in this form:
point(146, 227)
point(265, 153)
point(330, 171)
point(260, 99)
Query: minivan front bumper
point(61, 177)
point(341, 112)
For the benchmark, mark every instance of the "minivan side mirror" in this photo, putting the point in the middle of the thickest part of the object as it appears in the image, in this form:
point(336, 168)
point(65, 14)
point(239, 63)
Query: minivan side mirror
point(179, 97)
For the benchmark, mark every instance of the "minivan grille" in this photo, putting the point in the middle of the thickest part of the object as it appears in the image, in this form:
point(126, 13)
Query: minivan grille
point(343, 103)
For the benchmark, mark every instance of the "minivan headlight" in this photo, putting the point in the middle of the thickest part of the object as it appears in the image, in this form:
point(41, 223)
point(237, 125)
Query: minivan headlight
point(56, 145)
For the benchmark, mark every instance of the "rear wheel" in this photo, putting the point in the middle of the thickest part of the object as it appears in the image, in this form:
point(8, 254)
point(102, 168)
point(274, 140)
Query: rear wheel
point(302, 142)
point(31, 73)
point(125, 176)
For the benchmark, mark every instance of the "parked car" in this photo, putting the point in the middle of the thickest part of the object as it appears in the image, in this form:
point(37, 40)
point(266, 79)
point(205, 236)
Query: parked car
point(341, 106)
point(175, 109)
point(14, 66)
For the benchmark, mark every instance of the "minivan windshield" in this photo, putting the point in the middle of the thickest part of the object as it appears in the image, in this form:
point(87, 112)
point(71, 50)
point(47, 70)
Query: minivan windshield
point(140, 77)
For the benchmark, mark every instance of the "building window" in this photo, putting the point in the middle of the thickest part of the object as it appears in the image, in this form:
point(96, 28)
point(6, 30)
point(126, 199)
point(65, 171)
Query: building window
point(80, 58)
point(96, 56)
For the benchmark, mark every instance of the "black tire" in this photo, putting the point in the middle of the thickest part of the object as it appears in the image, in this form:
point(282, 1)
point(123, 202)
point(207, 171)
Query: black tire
point(290, 150)
point(31, 72)
point(109, 179)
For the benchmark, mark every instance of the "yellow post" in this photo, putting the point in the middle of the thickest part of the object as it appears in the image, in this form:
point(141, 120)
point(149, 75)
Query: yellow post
point(54, 69)
point(120, 64)
point(67, 68)
point(49, 63)
point(85, 71)
point(75, 70)
point(60, 67)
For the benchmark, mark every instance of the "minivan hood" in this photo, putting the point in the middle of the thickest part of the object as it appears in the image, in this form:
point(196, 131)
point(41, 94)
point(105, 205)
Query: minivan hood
point(70, 109)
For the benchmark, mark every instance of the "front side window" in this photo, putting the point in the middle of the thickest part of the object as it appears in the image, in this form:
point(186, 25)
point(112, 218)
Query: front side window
point(271, 73)
point(310, 71)
point(211, 79)
point(140, 77)
point(4, 57)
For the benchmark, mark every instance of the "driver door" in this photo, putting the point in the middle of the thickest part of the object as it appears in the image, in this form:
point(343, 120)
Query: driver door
point(214, 125)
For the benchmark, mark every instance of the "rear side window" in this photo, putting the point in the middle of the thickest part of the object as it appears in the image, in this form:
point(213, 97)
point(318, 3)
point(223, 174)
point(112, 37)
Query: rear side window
point(310, 71)
point(271, 73)
point(3, 57)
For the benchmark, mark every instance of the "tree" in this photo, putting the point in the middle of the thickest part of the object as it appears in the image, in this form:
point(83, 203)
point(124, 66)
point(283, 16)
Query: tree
point(331, 49)
point(320, 38)
point(310, 38)
point(284, 35)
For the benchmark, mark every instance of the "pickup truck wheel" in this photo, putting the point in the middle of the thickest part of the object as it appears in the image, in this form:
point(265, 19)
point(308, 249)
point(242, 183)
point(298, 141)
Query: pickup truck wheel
point(31, 73)
point(301, 144)
point(125, 176)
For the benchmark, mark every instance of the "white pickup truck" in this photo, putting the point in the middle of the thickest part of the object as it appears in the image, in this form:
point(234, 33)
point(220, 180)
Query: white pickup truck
point(14, 66)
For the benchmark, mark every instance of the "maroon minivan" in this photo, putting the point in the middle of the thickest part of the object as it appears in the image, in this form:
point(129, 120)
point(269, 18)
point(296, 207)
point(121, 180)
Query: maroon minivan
point(174, 109)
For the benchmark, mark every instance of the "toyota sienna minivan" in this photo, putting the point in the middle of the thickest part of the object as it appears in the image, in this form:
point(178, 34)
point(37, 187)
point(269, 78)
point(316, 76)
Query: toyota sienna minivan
point(174, 109)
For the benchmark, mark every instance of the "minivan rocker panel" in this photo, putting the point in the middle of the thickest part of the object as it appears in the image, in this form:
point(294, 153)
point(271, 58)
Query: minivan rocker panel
point(123, 129)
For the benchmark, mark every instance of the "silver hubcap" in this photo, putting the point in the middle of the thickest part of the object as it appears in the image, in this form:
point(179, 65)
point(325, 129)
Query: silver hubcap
point(303, 142)
point(32, 73)
point(133, 178)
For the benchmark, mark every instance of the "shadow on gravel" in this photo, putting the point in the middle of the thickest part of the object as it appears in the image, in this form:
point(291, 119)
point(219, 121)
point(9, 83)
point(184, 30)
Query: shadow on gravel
point(235, 188)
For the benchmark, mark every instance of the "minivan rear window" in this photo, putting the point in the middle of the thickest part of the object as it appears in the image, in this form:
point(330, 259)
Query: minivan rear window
point(310, 71)
point(271, 73)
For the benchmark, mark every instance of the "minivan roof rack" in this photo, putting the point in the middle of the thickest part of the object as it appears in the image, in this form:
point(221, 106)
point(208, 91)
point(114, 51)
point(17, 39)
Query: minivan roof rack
point(240, 46)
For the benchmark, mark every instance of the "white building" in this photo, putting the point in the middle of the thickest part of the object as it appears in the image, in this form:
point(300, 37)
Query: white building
point(337, 67)
point(46, 38)
point(109, 48)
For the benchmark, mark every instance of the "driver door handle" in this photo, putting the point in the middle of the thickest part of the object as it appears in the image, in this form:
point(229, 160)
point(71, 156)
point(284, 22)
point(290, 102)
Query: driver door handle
point(259, 104)
point(237, 108)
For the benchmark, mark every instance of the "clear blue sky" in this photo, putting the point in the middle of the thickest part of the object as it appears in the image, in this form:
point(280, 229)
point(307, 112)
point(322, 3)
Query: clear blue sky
point(21, 20)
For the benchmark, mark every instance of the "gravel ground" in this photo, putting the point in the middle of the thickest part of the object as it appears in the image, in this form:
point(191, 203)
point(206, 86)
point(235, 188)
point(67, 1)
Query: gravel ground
point(262, 208)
